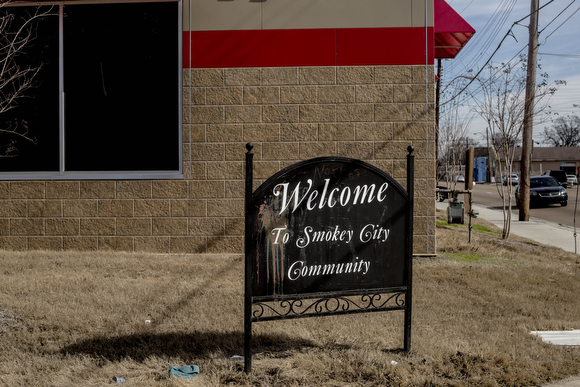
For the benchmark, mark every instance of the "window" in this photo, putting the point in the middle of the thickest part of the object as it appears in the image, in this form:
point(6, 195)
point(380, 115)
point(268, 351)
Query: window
point(106, 100)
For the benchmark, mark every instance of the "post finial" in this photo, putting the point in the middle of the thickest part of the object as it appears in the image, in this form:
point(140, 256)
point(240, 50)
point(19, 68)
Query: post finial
point(249, 146)
point(410, 149)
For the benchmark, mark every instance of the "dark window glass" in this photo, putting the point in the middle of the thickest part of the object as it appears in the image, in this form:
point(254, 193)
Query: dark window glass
point(121, 87)
point(544, 182)
point(29, 130)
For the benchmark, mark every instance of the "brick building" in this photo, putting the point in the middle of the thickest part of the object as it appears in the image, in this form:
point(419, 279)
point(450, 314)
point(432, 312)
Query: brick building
point(546, 158)
point(134, 140)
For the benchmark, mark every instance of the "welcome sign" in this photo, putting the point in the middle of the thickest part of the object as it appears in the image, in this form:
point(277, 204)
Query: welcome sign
point(321, 232)
point(328, 225)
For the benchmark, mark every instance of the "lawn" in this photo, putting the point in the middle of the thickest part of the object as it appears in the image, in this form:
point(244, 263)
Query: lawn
point(82, 318)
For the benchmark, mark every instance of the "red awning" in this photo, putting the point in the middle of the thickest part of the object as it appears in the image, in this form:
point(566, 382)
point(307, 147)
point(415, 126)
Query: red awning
point(451, 31)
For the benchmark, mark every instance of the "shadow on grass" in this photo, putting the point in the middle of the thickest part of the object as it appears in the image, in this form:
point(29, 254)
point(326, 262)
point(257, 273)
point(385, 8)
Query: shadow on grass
point(140, 347)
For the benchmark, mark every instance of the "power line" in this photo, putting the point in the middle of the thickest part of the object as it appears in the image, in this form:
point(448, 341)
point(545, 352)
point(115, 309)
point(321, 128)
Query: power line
point(562, 55)
point(484, 38)
point(552, 54)
point(557, 16)
point(491, 57)
point(561, 23)
point(479, 72)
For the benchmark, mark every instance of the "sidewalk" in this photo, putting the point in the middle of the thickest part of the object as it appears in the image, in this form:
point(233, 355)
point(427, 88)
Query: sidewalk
point(538, 230)
point(570, 382)
point(541, 231)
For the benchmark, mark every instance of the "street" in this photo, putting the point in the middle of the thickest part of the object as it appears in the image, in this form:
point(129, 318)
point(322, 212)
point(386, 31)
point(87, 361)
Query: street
point(487, 195)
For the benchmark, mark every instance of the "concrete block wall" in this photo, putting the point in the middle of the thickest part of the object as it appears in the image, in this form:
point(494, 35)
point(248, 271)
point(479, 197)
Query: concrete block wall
point(289, 113)
point(295, 113)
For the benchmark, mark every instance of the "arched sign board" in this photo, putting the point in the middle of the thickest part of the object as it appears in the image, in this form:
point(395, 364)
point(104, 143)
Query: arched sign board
point(330, 235)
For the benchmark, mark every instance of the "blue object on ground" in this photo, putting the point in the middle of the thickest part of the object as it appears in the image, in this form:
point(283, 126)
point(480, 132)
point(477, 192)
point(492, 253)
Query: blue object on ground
point(188, 371)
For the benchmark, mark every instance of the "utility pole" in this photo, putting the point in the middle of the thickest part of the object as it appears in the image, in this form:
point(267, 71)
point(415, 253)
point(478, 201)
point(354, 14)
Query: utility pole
point(529, 114)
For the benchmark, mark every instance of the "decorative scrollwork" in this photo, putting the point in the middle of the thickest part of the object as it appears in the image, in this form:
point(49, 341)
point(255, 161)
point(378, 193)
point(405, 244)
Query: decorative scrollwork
point(326, 305)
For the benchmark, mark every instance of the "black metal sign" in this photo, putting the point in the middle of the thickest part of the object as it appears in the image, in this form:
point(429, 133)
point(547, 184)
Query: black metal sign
point(329, 235)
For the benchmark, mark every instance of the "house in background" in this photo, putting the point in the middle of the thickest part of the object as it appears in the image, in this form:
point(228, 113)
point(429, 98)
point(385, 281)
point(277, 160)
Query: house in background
point(137, 128)
point(545, 158)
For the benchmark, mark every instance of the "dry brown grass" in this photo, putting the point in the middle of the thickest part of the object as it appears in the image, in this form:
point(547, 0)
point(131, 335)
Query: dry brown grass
point(80, 319)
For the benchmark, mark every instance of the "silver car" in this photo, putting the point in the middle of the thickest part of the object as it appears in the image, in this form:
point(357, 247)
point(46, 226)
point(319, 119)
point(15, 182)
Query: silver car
point(513, 179)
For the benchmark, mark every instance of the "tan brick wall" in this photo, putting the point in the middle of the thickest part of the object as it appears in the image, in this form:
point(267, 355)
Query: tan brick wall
point(289, 114)
point(292, 114)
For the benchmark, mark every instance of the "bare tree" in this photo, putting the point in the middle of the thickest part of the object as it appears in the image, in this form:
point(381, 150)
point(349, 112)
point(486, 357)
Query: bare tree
point(16, 81)
point(454, 123)
point(565, 131)
point(500, 102)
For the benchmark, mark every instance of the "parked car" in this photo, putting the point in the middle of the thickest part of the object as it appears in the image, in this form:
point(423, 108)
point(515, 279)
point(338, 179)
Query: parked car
point(545, 190)
point(460, 179)
point(512, 178)
point(572, 179)
point(559, 175)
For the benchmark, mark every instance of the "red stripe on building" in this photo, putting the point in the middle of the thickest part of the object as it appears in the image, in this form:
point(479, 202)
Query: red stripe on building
point(307, 47)
point(384, 46)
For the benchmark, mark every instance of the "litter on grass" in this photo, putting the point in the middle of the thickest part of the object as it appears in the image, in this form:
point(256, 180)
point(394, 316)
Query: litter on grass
point(186, 372)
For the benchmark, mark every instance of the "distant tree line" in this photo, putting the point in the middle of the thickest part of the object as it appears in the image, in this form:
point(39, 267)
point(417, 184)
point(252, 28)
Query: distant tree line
point(565, 131)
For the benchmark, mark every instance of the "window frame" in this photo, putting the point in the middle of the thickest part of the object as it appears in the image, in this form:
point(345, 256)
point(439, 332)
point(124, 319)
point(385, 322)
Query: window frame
point(62, 174)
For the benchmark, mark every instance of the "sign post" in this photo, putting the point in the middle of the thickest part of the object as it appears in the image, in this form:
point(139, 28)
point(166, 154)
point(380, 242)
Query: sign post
point(247, 261)
point(326, 236)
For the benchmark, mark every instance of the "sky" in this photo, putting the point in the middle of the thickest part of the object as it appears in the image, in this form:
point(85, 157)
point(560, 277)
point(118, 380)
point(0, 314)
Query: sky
point(558, 53)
